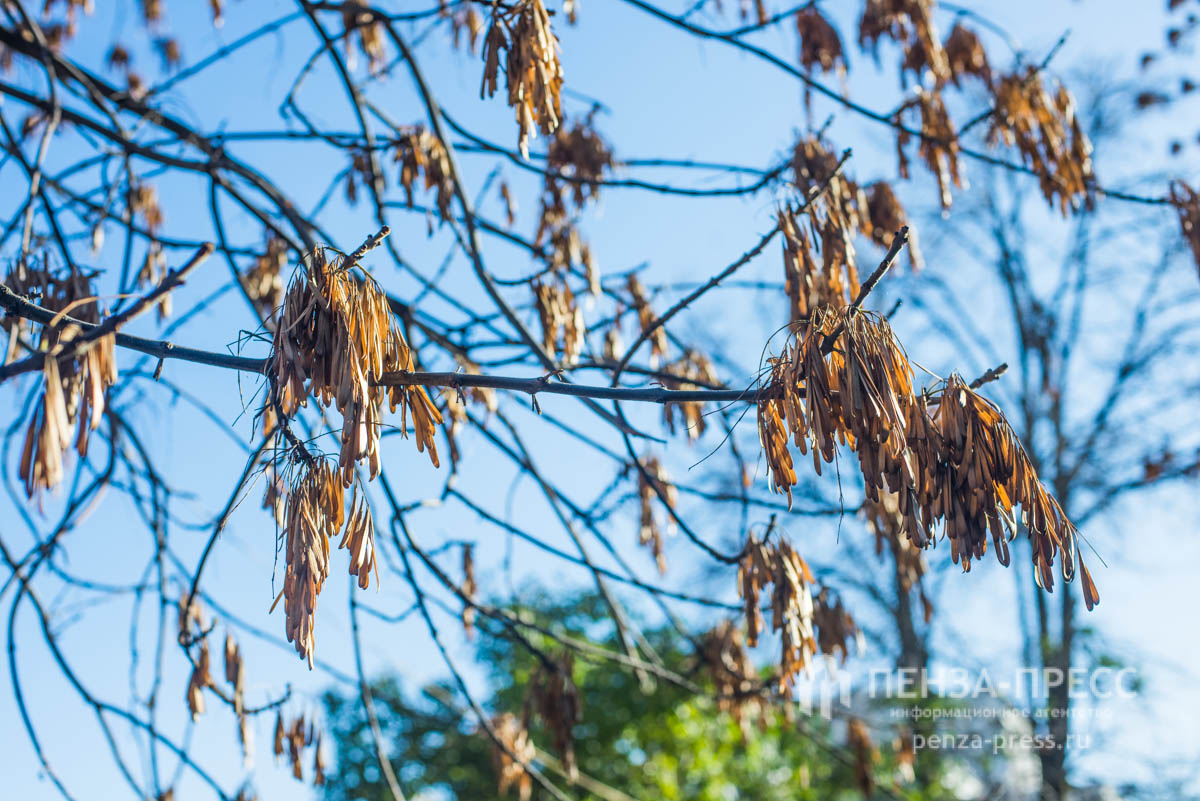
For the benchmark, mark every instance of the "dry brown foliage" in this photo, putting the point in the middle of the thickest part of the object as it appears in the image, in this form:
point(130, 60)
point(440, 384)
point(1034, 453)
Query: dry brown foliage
point(532, 71)
point(950, 455)
point(561, 318)
point(654, 486)
point(422, 155)
point(336, 337)
point(858, 740)
point(75, 374)
point(966, 56)
point(820, 45)
point(1187, 206)
point(559, 706)
point(647, 318)
point(263, 280)
point(692, 370)
point(315, 510)
point(514, 736)
point(779, 566)
point(733, 673)
point(1046, 132)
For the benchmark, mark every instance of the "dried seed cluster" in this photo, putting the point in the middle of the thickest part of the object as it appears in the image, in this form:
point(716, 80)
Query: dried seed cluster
point(291, 740)
point(463, 18)
point(579, 156)
point(561, 318)
point(733, 674)
point(939, 146)
point(909, 23)
point(532, 71)
point(263, 280)
point(647, 318)
point(1187, 205)
point(652, 481)
point(468, 588)
point(422, 155)
point(842, 209)
point(235, 675)
point(820, 45)
point(559, 705)
point(75, 374)
point(693, 370)
point(779, 566)
point(153, 271)
point(199, 679)
point(858, 740)
point(950, 456)
point(885, 521)
point(336, 337)
point(966, 56)
point(1046, 132)
point(315, 509)
point(356, 17)
point(514, 736)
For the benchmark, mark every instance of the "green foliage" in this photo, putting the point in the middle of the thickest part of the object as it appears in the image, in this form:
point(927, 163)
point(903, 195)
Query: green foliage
point(668, 743)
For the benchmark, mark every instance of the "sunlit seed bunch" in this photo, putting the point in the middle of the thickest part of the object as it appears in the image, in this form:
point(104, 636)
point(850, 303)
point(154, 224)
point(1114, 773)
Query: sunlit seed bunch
point(647, 318)
point(652, 481)
point(263, 280)
point(422, 155)
point(1043, 127)
point(356, 17)
point(910, 24)
point(143, 203)
point(359, 539)
point(75, 374)
point(561, 244)
point(336, 337)
point(807, 284)
point(580, 154)
point(820, 45)
point(463, 18)
point(511, 773)
point(559, 705)
point(951, 457)
point(885, 216)
point(939, 147)
point(199, 679)
point(1187, 205)
point(561, 318)
point(966, 56)
point(315, 510)
point(779, 565)
point(532, 71)
point(292, 739)
point(468, 588)
point(153, 270)
point(733, 673)
point(693, 370)
point(836, 630)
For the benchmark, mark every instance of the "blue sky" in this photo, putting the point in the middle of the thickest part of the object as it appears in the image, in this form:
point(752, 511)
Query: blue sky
point(665, 95)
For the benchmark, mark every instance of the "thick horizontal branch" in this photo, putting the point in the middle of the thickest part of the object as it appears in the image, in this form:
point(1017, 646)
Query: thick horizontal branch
point(18, 306)
point(534, 386)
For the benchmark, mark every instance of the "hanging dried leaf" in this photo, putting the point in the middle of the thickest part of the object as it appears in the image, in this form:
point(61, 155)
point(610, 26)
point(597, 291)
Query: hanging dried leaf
point(532, 71)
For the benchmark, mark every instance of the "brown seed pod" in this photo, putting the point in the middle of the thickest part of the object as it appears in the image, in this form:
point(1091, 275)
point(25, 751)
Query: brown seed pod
point(532, 71)
point(1044, 129)
point(510, 772)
